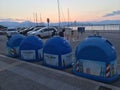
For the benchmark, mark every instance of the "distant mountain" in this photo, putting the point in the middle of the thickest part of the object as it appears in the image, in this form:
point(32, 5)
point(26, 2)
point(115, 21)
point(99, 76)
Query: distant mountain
point(89, 22)
point(16, 24)
point(12, 24)
point(9, 24)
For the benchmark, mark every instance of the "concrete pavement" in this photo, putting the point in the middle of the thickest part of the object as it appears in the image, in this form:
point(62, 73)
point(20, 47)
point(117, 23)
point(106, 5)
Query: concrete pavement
point(20, 75)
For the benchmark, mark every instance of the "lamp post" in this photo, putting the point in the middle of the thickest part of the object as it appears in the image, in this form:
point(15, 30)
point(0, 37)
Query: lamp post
point(48, 21)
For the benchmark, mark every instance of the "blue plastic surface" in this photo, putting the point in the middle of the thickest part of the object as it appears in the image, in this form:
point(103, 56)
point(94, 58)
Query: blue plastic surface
point(15, 40)
point(13, 45)
point(96, 48)
point(33, 43)
point(96, 60)
point(57, 46)
point(96, 78)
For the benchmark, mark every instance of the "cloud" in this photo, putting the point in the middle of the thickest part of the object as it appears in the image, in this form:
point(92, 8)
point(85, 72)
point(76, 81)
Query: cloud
point(112, 13)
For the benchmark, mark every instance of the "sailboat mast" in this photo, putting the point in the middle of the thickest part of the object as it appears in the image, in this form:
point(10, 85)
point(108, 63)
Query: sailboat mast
point(58, 12)
point(36, 19)
point(68, 17)
point(40, 18)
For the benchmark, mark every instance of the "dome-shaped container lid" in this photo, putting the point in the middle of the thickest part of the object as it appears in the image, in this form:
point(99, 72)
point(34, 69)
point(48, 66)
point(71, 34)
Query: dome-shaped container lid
point(31, 42)
point(57, 45)
point(95, 48)
point(15, 40)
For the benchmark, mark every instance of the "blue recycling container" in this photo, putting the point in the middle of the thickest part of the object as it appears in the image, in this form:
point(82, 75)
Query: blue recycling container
point(95, 58)
point(57, 53)
point(13, 45)
point(31, 49)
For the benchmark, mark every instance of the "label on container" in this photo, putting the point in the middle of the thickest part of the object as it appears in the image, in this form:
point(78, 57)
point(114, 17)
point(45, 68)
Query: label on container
point(28, 54)
point(92, 67)
point(51, 59)
point(66, 59)
point(113, 68)
point(40, 53)
point(97, 68)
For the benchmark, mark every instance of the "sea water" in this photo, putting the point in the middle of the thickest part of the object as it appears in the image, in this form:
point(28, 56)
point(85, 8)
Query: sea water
point(99, 27)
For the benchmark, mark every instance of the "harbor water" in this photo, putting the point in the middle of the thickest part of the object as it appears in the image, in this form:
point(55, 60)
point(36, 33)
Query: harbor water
point(99, 27)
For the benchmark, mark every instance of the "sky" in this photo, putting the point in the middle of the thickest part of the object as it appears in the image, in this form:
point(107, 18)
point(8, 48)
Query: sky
point(70, 10)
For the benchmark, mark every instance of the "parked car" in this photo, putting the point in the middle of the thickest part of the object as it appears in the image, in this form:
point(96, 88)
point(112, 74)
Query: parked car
point(44, 32)
point(24, 31)
point(33, 30)
point(29, 29)
point(11, 32)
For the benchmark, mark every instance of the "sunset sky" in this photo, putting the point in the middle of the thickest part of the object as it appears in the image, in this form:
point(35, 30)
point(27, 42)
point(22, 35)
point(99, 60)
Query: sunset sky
point(79, 10)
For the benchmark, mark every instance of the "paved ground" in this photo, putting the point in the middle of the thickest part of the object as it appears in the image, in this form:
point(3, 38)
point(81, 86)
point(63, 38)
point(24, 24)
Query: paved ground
point(20, 75)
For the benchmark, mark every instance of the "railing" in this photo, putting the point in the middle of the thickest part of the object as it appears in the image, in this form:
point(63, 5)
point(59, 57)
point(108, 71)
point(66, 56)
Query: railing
point(98, 26)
